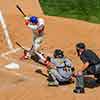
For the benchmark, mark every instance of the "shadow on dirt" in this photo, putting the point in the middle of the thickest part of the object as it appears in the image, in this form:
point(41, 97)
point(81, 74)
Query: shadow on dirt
point(90, 82)
point(46, 76)
point(39, 71)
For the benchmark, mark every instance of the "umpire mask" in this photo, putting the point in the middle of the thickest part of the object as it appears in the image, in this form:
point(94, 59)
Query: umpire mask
point(79, 46)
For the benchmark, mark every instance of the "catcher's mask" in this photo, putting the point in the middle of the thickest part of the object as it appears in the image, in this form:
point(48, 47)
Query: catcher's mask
point(58, 53)
point(79, 46)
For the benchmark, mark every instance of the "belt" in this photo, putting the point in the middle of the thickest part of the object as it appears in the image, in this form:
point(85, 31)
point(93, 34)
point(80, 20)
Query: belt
point(60, 67)
point(97, 63)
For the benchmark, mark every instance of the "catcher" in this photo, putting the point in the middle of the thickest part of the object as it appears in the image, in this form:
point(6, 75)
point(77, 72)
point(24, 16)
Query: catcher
point(61, 69)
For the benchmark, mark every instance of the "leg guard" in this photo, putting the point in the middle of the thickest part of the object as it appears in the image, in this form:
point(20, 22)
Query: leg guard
point(97, 70)
point(80, 81)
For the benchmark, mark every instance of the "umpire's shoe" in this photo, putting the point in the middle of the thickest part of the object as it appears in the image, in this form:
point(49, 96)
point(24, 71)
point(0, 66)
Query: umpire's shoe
point(79, 90)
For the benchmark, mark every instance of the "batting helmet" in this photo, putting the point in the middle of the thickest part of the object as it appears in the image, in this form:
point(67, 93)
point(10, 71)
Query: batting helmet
point(33, 19)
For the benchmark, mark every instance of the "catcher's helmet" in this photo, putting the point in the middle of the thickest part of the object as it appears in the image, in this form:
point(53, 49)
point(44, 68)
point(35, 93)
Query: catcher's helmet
point(58, 53)
point(33, 19)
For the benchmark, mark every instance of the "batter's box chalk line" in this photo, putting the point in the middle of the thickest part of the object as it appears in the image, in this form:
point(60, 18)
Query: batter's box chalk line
point(5, 33)
point(10, 67)
point(21, 76)
point(10, 52)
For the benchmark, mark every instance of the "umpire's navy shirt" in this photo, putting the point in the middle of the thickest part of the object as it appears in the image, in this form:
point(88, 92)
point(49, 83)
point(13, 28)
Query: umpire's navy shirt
point(89, 56)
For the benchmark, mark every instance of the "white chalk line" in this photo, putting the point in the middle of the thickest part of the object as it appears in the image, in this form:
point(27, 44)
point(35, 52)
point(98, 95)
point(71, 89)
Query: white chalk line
point(6, 34)
point(4, 55)
point(21, 76)
point(10, 52)
point(9, 44)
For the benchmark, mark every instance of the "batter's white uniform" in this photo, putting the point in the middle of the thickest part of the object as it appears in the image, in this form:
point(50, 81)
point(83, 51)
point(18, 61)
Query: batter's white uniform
point(37, 39)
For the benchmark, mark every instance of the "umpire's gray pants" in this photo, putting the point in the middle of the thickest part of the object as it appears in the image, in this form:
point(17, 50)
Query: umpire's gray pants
point(95, 70)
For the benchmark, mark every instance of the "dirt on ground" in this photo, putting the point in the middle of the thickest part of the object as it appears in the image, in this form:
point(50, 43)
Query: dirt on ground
point(25, 84)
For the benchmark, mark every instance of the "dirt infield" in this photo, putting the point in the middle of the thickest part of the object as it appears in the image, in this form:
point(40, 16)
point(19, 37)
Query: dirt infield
point(25, 84)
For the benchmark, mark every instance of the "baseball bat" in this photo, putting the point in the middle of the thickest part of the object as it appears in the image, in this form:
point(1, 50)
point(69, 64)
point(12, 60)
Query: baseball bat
point(36, 52)
point(19, 8)
point(20, 46)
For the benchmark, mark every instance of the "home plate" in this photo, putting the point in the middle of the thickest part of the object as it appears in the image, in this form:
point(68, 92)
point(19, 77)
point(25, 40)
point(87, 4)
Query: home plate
point(12, 65)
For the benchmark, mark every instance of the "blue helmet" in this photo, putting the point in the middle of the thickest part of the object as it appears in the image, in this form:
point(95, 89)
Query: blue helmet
point(34, 19)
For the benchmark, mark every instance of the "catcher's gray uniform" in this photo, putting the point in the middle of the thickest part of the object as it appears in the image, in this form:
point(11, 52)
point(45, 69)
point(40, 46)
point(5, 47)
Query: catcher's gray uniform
point(62, 72)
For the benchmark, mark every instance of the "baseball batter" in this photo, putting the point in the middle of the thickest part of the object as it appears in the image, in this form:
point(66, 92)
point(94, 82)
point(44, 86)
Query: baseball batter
point(37, 25)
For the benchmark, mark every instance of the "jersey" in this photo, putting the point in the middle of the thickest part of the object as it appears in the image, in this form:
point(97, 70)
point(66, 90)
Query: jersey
point(89, 56)
point(60, 64)
point(39, 26)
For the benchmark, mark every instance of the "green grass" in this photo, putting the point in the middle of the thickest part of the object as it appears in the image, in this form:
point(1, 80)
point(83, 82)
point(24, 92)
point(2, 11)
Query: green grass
point(88, 10)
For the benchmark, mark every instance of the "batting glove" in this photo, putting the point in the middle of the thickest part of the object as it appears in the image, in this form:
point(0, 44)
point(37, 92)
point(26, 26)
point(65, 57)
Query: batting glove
point(27, 18)
point(26, 22)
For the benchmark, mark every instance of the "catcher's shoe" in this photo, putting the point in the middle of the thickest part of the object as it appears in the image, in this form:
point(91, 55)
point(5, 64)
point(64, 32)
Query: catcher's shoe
point(53, 83)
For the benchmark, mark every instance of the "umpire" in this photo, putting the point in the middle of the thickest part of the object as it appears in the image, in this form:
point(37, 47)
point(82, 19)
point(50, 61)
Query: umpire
point(91, 65)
